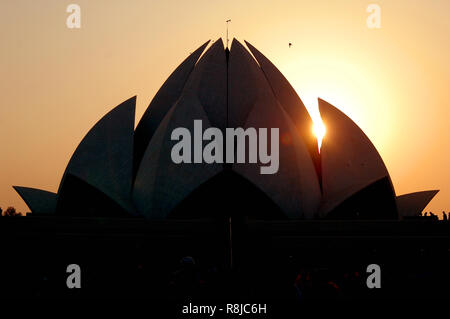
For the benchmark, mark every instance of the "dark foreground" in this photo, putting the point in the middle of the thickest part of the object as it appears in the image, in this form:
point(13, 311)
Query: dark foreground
point(214, 262)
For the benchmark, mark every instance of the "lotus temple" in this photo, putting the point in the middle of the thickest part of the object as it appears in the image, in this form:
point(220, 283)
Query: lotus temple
point(120, 171)
point(125, 210)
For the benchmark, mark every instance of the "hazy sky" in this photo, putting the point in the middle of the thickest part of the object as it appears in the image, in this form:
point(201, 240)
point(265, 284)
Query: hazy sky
point(56, 82)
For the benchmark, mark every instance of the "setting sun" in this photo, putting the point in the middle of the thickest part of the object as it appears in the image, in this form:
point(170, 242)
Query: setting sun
point(319, 131)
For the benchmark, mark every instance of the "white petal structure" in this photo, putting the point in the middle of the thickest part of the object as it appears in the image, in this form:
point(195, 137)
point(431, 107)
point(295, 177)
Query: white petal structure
point(103, 161)
point(39, 201)
point(118, 171)
point(291, 103)
point(350, 163)
point(164, 99)
point(414, 203)
point(252, 104)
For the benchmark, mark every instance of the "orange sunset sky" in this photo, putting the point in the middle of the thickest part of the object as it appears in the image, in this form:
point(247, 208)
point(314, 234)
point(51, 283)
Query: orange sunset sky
point(56, 82)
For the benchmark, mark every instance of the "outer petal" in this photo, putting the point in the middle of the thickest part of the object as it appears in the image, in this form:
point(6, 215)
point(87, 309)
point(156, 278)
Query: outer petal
point(350, 162)
point(414, 203)
point(103, 160)
point(39, 201)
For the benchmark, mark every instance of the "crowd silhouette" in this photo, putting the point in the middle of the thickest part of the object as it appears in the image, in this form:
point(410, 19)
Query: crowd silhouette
point(431, 216)
point(10, 212)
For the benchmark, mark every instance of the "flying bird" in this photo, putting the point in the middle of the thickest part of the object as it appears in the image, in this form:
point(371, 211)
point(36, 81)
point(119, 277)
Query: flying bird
point(290, 44)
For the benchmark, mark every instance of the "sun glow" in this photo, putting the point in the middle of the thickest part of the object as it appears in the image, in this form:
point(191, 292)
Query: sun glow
point(319, 131)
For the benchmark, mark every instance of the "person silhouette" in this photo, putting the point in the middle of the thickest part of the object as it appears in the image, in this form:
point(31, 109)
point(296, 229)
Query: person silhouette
point(433, 216)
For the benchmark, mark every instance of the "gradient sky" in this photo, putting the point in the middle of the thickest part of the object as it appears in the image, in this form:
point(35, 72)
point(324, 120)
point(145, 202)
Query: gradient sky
point(56, 83)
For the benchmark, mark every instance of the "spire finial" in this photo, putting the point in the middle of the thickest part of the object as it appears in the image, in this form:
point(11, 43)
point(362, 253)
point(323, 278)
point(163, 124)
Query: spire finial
point(228, 21)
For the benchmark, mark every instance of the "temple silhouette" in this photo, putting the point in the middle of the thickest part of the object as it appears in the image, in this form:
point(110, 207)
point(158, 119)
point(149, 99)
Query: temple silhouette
point(141, 226)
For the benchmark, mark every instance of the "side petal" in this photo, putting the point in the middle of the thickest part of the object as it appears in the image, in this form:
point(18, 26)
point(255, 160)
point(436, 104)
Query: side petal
point(39, 201)
point(350, 162)
point(103, 159)
point(414, 203)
